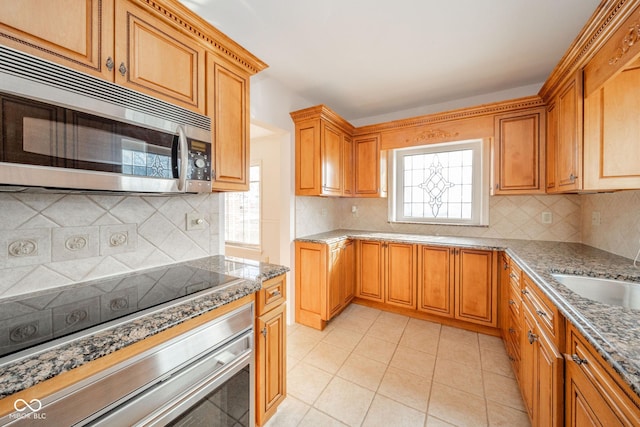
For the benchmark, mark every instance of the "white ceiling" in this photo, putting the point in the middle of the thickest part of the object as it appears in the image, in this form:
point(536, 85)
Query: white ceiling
point(365, 58)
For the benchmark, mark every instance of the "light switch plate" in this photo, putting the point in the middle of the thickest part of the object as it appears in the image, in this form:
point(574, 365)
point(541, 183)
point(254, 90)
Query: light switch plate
point(196, 221)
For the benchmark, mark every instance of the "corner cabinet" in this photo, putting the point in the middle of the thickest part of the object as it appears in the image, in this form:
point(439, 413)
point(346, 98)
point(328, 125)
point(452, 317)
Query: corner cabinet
point(518, 152)
point(323, 142)
point(271, 333)
point(228, 106)
point(325, 281)
point(564, 137)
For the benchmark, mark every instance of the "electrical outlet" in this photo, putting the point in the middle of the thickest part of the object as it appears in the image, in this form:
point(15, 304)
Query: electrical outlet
point(595, 218)
point(196, 221)
point(547, 217)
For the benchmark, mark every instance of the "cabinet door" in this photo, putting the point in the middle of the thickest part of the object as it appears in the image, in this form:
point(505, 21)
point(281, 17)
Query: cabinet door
point(517, 155)
point(156, 58)
point(367, 166)
point(349, 269)
point(311, 282)
point(308, 165)
point(74, 33)
point(331, 152)
point(370, 274)
point(400, 287)
point(528, 362)
point(551, 153)
point(435, 280)
point(271, 363)
point(347, 166)
point(612, 126)
point(569, 137)
point(228, 105)
point(476, 287)
point(503, 308)
point(549, 382)
point(335, 282)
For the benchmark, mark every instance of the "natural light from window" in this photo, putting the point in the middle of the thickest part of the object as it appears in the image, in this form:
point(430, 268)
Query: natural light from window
point(440, 183)
point(242, 213)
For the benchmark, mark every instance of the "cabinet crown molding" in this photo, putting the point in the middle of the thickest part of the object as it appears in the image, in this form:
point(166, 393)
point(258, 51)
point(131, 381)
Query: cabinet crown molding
point(322, 112)
point(211, 37)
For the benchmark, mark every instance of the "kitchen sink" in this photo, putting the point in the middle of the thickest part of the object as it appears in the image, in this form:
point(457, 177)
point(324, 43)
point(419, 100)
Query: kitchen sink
point(606, 291)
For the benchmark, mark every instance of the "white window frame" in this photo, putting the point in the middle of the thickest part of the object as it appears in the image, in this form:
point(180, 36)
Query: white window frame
point(245, 244)
point(480, 190)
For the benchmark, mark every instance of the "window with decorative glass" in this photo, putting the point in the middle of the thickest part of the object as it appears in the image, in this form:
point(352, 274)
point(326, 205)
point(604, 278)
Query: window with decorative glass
point(444, 183)
point(242, 213)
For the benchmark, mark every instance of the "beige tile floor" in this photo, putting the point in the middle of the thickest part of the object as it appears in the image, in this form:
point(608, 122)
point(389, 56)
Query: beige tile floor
point(374, 368)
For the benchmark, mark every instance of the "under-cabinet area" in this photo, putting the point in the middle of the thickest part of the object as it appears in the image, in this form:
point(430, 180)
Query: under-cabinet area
point(565, 354)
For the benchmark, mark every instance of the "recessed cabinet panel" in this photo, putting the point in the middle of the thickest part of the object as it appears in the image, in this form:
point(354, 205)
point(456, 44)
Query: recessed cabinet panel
point(370, 270)
point(569, 136)
point(331, 147)
point(476, 287)
point(400, 286)
point(435, 280)
point(74, 33)
point(367, 166)
point(156, 58)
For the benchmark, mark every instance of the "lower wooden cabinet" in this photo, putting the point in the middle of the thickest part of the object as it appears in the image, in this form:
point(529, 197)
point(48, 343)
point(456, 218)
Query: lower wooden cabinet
point(593, 395)
point(387, 273)
point(325, 281)
point(459, 283)
point(271, 333)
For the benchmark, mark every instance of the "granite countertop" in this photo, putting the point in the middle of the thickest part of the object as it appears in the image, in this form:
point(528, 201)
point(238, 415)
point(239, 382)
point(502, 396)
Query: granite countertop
point(30, 370)
point(614, 331)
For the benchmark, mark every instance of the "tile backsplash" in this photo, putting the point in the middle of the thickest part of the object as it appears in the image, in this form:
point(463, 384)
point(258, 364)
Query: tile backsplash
point(512, 217)
point(49, 239)
point(619, 228)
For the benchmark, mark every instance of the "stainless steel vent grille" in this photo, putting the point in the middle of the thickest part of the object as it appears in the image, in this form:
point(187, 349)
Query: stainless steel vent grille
point(44, 72)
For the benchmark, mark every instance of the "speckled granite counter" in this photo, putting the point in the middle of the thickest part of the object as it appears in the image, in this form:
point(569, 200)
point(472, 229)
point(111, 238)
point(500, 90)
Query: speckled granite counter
point(614, 331)
point(31, 370)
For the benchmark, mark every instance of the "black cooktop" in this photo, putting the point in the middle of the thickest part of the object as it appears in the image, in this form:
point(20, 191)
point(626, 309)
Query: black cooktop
point(35, 319)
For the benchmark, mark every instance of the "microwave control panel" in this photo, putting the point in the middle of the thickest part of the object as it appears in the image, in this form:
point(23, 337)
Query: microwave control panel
point(199, 161)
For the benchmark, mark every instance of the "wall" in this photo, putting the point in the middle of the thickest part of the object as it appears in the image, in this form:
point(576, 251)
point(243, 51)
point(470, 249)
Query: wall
point(619, 229)
point(49, 240)
point(511, 217)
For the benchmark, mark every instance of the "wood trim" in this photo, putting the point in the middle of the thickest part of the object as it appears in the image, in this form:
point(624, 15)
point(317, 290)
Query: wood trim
point(325, 113)
point(604, 21)
point(462, 113)
point(179, 15)
point(66, 379)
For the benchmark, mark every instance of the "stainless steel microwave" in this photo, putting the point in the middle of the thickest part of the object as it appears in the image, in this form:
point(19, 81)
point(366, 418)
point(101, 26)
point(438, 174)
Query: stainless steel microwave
point(60, 128)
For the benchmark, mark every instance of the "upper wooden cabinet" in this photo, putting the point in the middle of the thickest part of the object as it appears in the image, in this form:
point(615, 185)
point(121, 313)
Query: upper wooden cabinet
point(518, 152)
point(370, 167)
point(228, 105)
point(154, 57)
point(75, 33)
point(564, 138)
point(323, 145)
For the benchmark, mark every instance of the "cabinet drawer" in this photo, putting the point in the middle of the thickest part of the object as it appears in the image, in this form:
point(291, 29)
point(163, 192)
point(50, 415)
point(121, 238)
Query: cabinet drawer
point(546, 313)
point(616, 394)
point(272, 294)
point(514, 300)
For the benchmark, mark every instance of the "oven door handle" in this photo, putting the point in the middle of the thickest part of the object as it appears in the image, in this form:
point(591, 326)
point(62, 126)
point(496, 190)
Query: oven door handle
point(183, 153)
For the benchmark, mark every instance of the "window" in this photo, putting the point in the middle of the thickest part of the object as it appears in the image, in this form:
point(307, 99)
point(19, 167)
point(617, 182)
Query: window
point(242, 213)
point(441, 183)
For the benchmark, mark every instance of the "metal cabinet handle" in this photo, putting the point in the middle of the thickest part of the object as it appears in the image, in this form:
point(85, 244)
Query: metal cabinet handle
point(579, 361)
point(275, 294)
point(513, 275)
point(540, 313)
point(532, 337)
point(511, 302)
point(506, 266)
point(511, 358)
point(264, 332)
point(512, 331)
point(110, 64)
point(122, 69)
point(524, 292)
point(572, 177)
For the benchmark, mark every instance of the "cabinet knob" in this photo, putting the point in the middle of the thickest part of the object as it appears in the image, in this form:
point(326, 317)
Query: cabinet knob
point(122, 69)
point(532, 337)
point(579, 361)
point(572, 177)
point(110, 64)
